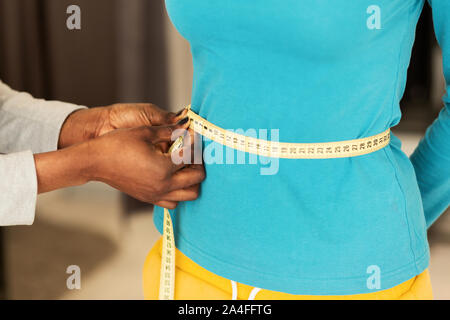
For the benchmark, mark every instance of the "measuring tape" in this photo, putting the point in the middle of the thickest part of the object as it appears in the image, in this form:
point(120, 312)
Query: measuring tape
point(167, 276)
point(326, 150)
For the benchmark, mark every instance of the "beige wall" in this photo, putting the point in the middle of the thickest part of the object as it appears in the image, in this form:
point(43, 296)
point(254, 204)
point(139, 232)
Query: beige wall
point(179, 67)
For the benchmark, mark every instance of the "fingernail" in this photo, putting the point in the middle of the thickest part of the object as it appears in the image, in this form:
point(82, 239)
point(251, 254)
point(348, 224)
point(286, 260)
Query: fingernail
point(180, 112)
point(183, 121)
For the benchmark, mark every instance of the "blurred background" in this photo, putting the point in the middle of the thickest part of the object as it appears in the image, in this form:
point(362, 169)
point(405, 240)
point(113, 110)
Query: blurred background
point(127, 51)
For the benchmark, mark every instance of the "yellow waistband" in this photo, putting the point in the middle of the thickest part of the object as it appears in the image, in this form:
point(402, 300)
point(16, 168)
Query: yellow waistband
point(215, 287)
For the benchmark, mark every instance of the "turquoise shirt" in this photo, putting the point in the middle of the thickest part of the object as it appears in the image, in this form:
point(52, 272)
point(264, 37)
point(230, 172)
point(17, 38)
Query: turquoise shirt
point(319, 71)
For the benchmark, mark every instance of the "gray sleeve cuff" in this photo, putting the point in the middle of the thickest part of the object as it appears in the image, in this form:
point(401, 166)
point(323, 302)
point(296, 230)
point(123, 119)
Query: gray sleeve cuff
point(18, 189)
point(33, 124)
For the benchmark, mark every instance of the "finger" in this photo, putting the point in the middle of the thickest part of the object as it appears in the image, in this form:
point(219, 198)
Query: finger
point(188, 139)
point(182, 157)
point(158, 116)
point(166, 204)
point(180, 114)
point(176, 159)
point(196, 147)
point(163, 146)
point(189, 176)
point(187, 194)
point(169, 133)
point(179, 158)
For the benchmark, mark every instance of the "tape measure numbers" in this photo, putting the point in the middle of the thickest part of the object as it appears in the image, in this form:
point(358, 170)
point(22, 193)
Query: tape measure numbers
point(167, 276)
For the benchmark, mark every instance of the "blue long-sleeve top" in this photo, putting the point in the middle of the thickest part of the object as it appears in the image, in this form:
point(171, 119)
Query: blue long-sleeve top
point(318, 71)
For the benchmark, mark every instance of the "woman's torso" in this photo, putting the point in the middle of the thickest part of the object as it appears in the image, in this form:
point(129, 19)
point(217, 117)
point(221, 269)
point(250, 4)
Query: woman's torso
point(317, 71)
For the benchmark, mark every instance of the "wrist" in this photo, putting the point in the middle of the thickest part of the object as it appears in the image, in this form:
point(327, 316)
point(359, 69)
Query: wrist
point(92, 164)
point(62, 168)
point(82, 125)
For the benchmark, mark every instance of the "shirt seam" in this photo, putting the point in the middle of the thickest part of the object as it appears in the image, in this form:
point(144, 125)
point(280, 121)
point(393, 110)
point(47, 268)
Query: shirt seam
point(405, 211)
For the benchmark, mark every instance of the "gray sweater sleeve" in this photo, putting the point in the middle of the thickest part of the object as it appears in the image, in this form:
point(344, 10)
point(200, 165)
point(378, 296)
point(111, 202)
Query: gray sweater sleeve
point(18, 189)
point(27, 126)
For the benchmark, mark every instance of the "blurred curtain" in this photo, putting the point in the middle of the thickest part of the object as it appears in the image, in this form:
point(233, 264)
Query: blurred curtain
point(40, 55)
point(23, 45)
point(118, 55)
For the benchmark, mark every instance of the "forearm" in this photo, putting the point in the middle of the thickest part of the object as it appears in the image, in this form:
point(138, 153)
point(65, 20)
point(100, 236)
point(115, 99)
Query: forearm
point(431, 161)
point(27, 123)
point(63, 168)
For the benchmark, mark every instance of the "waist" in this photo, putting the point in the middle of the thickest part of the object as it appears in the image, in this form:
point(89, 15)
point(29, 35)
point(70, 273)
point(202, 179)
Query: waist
point(250, 143)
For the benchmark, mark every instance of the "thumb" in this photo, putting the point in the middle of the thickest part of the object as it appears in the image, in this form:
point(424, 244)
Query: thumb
point(157, 116)
point(171, 132)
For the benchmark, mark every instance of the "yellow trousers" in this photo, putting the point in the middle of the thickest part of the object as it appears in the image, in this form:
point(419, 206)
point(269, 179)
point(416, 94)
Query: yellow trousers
point(193, 282)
